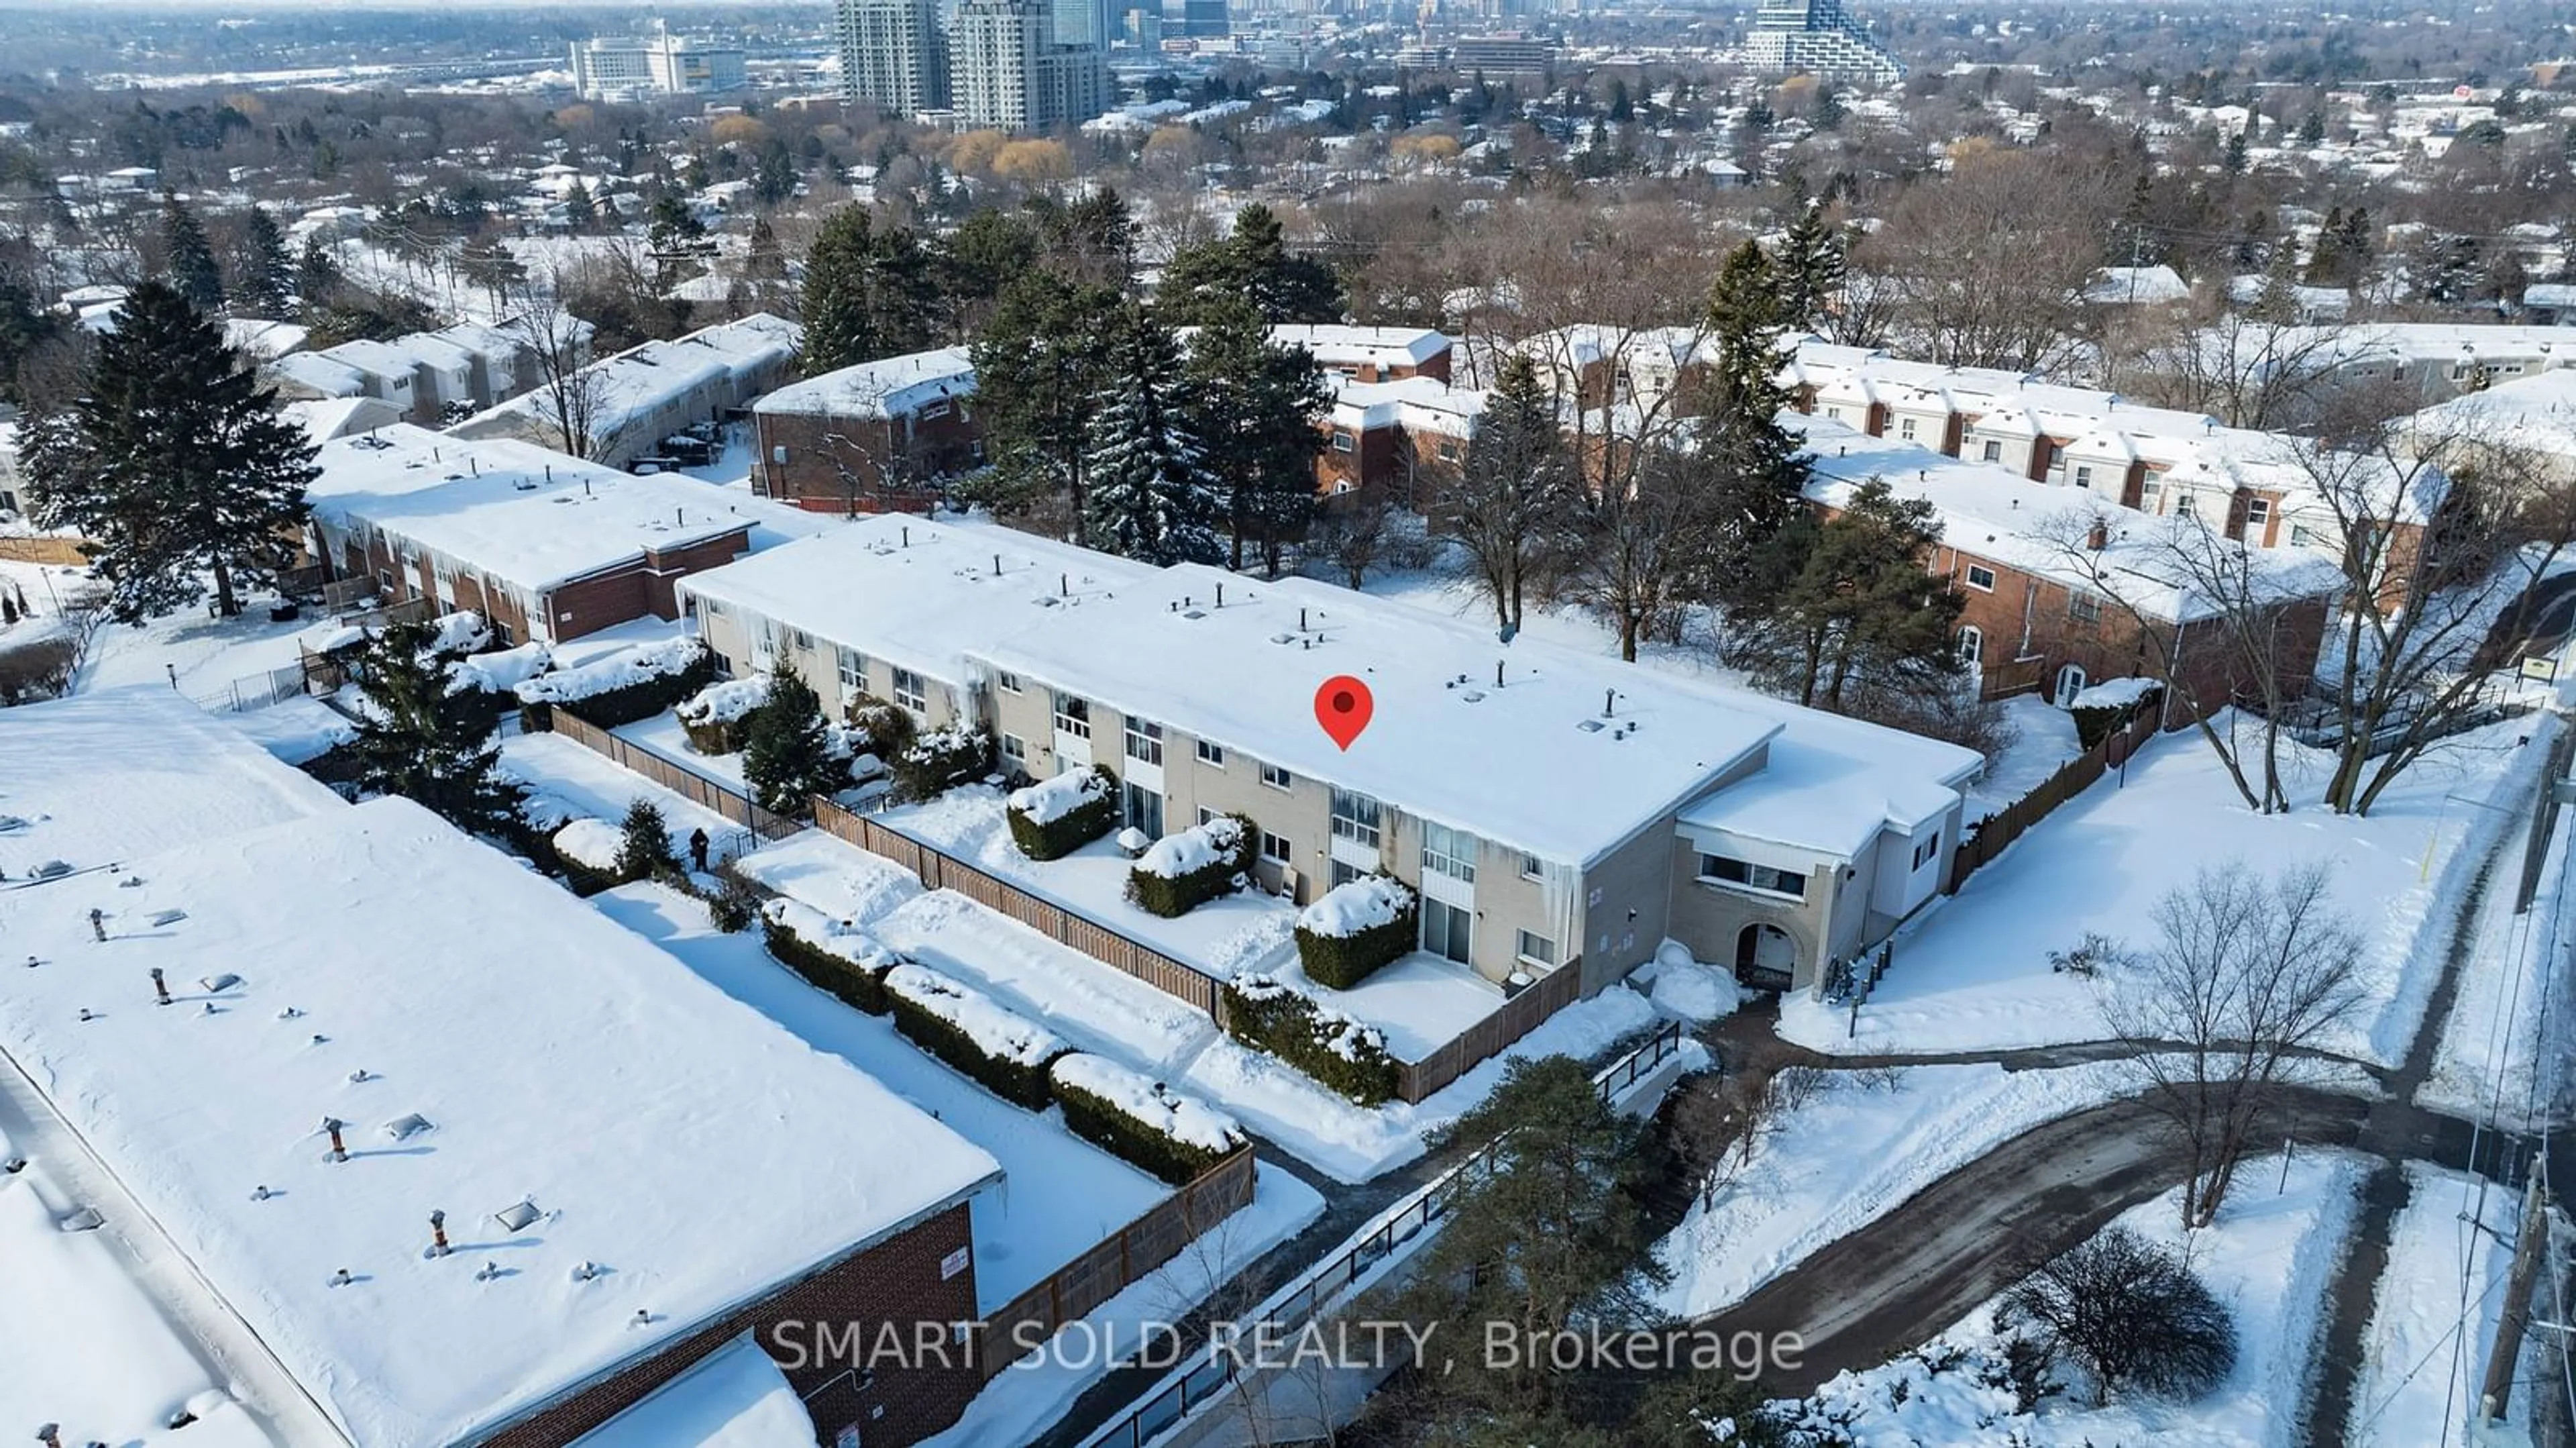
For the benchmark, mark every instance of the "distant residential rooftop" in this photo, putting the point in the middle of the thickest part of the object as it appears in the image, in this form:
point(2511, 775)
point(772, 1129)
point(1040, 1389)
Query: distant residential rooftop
point(891, 387)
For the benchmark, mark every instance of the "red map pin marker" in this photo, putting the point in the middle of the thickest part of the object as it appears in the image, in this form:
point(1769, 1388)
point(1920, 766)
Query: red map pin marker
point(1343, 706)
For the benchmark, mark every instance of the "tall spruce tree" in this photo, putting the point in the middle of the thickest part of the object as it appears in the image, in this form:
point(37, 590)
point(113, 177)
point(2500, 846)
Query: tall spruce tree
point(1040, 364)
point(1811, 269)
point(173, 462)
point(1253, 405)
point(317, 276)
point(1862, 614)
point(869, 293)
point(265, 276)
point(1757, 468)
point(1152, 496)
point(581, 211)
point(188, 257)
point(425, 741)
point(1515, 489)
point(1253, 263)
point(787, 749)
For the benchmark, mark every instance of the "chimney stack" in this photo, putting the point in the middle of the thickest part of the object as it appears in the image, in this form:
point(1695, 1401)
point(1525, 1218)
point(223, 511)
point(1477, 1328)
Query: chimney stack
point(1064, 585)
point(160, 988)
point(2099, 537)
point(1301, 619)
point(51, 1435)
point(438, 1234)
point(339, 1148)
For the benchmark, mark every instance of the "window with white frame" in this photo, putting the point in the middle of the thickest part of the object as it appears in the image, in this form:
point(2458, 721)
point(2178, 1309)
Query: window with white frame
point(2084, 607)
point(1927, 849)
point(1538, 950)
point(1145, 741)
point(804, 640)
point(1015, 749)
point(2083, 476)
point(2151, 489)
point(2182, 505)
point(1276, 849)
point(2300, 537)
point(1355, 817)
point(908, 690)
point(1449, 852)
point(1445, 450)
point(1994, 451)
point(1972, 646)
point(1905, 428)
point(1981, 577)
point(1007, 682)
point(1073, 715)
point(1276, 777)
point(2258, 514)
point(1531, 868)
point(1725, 869)
point(854, 671)
point(1343, 441)
point(1206, 814)
point(1212, 754)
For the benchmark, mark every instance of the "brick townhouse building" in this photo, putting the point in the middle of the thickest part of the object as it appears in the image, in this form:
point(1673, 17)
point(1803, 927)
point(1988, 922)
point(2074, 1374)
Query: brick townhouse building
point(878, 437)
point(630, 402)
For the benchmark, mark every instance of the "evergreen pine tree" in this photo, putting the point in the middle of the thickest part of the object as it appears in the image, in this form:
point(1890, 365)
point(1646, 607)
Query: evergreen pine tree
point(173, 462)
point(763, 258)
point(868, 293)
point(188, 257)
point(267, 275)
point(1255, 264)
point(1252, 405)
point(644, 843)
point(1861, 613)
point(787, 749)
point(581, 213)
point(317, 276)
point(426, 742)
point(1756, 463)
point(1811, 269)
point(1039, 363)
point(1514, 489)
point(1151, 496)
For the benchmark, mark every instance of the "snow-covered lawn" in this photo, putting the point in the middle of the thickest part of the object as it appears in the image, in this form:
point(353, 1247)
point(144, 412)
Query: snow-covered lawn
point(2269, 1257)
point(1974, 974)
point(2438, 1303)
point(662, 735)
point(1060, 1194)
point(831, 875)
point(99, 1358)
point(566, 781)
point(296, 730)
point(207, 653)
point(1017, 1406)
point(1852, 1153)
point(2043, 741)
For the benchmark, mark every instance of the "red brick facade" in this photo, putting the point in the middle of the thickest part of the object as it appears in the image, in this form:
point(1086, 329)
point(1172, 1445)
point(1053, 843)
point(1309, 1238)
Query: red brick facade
point(893, 1285)
point(843, 464)
point(585, 605)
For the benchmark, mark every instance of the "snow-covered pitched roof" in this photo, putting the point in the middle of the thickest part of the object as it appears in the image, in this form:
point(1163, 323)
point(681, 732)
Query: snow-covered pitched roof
point(641, 381)
point(2143, 285)
point(691, 1149)
point(365, 354)
point(264, 340)
point(888, 388)
point(2536, 412)
point(1340, 346)
point(103, 777)
point(325, 375)
point(920, 595)
point(529, 516)
point(734, 1397)
point(1417, 403)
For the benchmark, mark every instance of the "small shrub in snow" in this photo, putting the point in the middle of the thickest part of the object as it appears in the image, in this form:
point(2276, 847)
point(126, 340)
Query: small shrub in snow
point(1055, 817)
point(1346, 1056)
point(939, 761)
point(733, 905)
point(1140, 1120)
point(584, 852)
point(1006, 1052)
point(878, 727)
point(1178, 873)
point(831, 955)
point(624, 687)
point(787, 755)
point(717, 718)
point(644, 844)
point(2131, 1313)
point(2091, 956)
point(1356, 927)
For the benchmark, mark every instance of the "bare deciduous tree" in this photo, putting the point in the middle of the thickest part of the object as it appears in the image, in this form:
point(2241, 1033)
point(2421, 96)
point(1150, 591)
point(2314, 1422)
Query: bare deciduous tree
point(571, 396)
point(2248, 975)
point(2131, 1313)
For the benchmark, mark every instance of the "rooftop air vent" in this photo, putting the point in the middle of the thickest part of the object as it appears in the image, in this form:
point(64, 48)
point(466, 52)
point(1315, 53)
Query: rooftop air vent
point(10, 824)
point(86, 1219)
point(168, 917)
point(52, 870)
point(1282, 638)
point(222, 980)
point(519, 1215)
point(1472, 695)
point(1194, 613)
point(404, 1128)
point(1588, 726)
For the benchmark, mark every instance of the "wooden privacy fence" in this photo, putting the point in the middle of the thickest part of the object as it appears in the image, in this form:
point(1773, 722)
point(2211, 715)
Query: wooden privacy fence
point(733, 804)
point(1519, 1016)
point(941, 871)
point(1997, 832)
point(1118, 1262)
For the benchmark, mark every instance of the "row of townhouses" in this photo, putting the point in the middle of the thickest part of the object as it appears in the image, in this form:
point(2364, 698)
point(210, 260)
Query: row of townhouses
point(1556, 810)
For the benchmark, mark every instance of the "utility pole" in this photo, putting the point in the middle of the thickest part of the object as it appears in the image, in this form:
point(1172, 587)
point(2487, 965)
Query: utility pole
point(2529, 1240)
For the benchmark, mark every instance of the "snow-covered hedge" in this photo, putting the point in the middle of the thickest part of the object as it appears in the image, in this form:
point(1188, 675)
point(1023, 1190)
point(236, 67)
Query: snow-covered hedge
point(2100, 709)
point(454, 635)
point(962, 1026)
point(1142, 1121)
point(879, 728)
point(585, 849)
point(501, 672)
point(1180, 872)
point(626, 686)
point(940, 760)
point(1354, 928)
point(1055, 817)
point(1345, 1055)
point(717, 718)
point(832, 955)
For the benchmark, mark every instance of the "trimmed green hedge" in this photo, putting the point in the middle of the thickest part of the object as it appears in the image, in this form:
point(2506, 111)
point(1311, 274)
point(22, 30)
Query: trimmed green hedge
point(1020, 1083)
point(610, 708)
point(1073, 829)
point(1174, 895)
point(847, 981)
point(2095, 724)
point(1334, 1049)
point(939, 761)
point(1343, 961)
point(1096, 1120)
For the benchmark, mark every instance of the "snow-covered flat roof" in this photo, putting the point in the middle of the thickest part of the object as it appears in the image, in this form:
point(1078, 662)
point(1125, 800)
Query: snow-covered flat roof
point(1831, 784)
point(1532, 764)
point(641, 381)
point(326, 375)
point(734, 1397)
point(528, 515)
point(917, 594)
point(687, 1148)
point(1339, 346)
point(892, 387)
point(1418, 402)
point(104, 777)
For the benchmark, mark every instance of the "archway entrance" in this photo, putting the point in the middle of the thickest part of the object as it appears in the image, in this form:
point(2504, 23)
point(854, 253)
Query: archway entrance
point(1765, 957)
